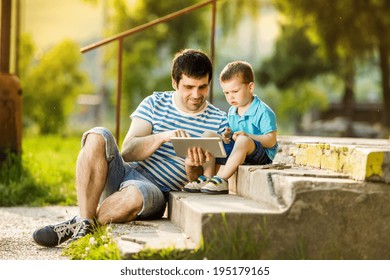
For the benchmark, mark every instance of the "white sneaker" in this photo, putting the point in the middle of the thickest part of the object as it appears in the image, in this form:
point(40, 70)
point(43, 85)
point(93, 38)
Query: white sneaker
point(216, 185)
point(195, 186)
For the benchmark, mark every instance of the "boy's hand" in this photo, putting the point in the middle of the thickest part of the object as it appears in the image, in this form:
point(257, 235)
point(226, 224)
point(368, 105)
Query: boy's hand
point(227, 135)
point(238, 133)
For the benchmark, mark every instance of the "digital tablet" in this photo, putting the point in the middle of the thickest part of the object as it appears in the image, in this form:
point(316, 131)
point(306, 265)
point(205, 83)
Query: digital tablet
point(213, 145)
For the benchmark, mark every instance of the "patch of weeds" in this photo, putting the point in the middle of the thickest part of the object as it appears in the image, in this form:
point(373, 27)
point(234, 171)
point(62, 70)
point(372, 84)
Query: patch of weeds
point(168, 254)
point(17, 185)
point(233, 241)
point(97, 246)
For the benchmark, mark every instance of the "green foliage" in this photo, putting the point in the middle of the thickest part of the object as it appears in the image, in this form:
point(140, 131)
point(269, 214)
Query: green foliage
point(17, 186)
point(43, 175)
point(294, 69)
point(295, 59)
point(341, 26)
point(232, 11)
point(51, 86)
point(97, 246)
point(147, 55)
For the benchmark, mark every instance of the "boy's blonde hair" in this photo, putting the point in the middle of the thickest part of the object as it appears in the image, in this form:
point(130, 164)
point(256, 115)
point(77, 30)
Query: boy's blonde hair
point(238, 68)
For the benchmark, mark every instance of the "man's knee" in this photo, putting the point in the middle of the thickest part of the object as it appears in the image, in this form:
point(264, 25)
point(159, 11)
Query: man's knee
point(122, 206)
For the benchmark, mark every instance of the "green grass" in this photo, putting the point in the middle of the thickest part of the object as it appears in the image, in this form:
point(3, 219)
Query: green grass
point(97, 246)
point(225, 243)
point(44, 174)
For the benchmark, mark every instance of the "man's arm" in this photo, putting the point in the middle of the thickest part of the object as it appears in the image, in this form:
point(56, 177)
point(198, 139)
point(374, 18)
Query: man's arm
point(140, 143)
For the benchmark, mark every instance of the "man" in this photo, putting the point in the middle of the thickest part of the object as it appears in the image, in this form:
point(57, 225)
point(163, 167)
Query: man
point(121, 187)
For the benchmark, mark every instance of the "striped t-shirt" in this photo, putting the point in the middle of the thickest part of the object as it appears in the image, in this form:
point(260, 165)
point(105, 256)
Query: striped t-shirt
point(160, 111)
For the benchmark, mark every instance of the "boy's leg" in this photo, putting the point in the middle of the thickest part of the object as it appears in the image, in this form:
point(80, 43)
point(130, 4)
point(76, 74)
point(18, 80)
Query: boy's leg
point(243, 146)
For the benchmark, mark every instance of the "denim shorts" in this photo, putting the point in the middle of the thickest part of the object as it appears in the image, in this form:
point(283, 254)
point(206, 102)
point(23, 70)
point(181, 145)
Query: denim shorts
point(257, 157)
point(122, 174)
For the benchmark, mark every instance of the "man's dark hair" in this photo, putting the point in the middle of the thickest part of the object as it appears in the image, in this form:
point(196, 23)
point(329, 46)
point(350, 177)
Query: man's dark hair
point(192, 63)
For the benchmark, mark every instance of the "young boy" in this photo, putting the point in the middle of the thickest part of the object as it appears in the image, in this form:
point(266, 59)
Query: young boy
point(251, 137)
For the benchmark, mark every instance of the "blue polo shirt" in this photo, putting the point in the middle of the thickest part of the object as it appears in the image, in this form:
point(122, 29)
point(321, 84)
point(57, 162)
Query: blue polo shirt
point(259, 119)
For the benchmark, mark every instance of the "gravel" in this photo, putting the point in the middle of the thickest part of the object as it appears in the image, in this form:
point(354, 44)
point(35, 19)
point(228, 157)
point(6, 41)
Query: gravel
point(19, 223)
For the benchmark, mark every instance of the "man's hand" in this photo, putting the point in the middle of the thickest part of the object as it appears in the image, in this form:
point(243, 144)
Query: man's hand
point(197, 157)
point(167, 135)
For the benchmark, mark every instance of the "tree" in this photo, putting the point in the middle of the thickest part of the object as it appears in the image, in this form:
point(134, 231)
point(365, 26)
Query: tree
point(51, 85)
point(348, 30)
point(295, 61)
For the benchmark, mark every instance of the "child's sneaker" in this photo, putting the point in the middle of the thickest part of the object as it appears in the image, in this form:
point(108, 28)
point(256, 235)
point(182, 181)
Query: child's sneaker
point(216, 185)
point(195, 186)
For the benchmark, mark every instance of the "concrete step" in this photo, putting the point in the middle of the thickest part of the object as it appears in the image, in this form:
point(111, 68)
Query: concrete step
point(360, 159)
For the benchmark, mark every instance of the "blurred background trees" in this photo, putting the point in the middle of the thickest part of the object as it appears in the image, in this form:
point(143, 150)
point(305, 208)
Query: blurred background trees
point(329, 61)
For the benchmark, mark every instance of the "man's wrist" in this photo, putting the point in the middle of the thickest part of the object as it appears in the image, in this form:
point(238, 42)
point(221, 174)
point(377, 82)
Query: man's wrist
point(193, 172)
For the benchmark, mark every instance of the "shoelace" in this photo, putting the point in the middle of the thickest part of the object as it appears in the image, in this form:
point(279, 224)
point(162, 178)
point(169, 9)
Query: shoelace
point(81, 229)
point(64, 229)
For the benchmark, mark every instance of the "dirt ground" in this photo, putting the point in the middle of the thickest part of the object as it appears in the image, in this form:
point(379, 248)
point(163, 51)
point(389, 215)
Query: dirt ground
point(17, 225)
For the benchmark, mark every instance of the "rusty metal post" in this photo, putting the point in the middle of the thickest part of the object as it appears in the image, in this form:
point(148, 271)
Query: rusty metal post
point(119, 90)
point(212, 46)
point(10, 91)
point(5, 45)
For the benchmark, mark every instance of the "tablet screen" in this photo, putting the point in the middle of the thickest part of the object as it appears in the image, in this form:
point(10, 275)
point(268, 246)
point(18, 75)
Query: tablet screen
point(213, 145)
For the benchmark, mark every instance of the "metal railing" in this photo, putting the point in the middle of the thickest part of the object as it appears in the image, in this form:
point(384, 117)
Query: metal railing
point(143, 27)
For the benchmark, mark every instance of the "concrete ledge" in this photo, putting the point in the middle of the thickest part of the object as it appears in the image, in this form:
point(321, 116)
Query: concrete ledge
point(276, 184)
point(360, 163)
point(191, 211)
point(361, 159)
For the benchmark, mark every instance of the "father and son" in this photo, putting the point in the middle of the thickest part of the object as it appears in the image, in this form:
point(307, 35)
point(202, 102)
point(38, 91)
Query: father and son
point(117, 187)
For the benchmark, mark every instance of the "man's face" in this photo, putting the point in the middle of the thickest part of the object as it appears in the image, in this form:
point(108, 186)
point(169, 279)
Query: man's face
point(192, 93)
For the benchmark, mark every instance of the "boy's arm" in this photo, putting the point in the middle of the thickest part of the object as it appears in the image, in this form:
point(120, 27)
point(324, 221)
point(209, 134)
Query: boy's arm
point(267, 140)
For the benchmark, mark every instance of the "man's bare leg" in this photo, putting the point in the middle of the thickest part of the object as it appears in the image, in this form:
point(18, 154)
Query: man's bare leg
point(91, 175)
point(122, 206)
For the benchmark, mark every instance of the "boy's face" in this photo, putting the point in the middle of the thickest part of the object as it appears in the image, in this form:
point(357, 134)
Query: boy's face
point(192, 93)
point(237, 93)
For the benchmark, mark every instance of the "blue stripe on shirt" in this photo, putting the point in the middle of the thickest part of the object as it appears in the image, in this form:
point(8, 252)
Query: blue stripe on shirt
point(164, 166)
